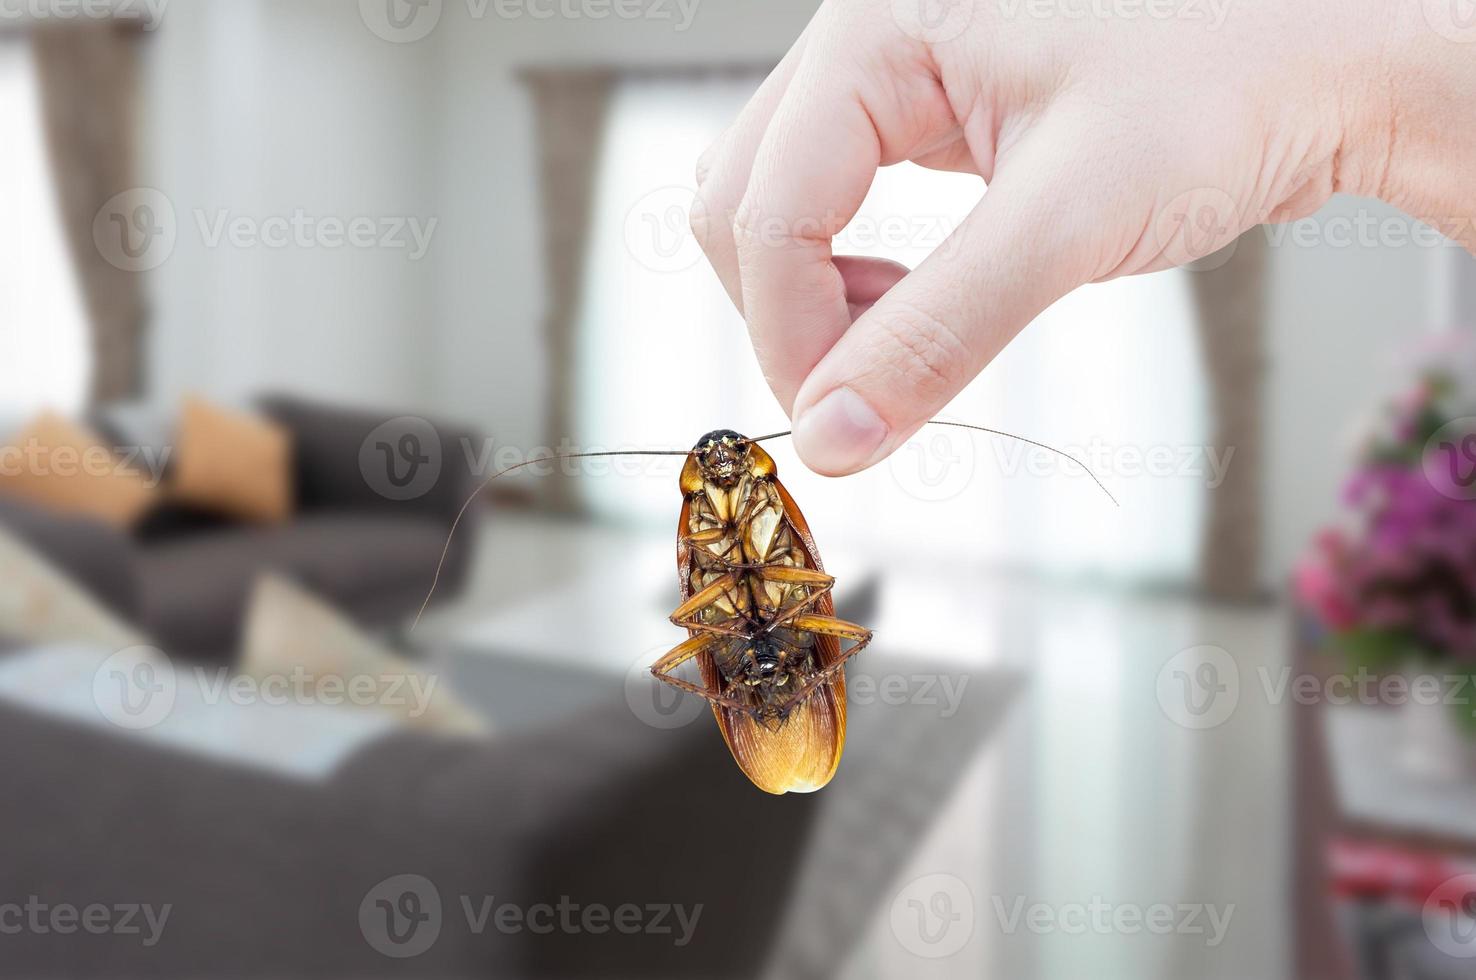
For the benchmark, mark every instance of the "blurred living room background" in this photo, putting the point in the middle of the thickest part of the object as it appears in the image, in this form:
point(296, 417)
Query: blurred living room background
point(284, 281)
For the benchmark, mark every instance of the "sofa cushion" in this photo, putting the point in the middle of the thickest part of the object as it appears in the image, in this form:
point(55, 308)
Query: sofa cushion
point(196, 588)
point(91, 554)
point(64, 466)
point(41, 603)
point(289, 629)
point(234, 463)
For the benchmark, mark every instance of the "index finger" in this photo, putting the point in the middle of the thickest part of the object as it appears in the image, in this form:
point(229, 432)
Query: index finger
point(813, 169)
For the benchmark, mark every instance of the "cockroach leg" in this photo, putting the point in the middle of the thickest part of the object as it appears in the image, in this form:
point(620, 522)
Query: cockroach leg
point(700, 541)
point(830, 626)
point(721, 586)
point(795, 575)
point(679, 655)
point(711, 535)
point(683, 652)
point(702, 692)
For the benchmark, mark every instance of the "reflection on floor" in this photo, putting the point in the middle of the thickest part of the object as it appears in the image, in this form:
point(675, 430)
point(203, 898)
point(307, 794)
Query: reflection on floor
point(1110, 829)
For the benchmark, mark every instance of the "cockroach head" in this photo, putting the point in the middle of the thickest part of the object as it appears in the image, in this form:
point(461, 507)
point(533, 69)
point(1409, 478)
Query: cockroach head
point(721, 454)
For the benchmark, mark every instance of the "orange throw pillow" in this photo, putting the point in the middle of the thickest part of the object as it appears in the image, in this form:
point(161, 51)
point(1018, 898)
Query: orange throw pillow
point(63, 466)
point(232, 463)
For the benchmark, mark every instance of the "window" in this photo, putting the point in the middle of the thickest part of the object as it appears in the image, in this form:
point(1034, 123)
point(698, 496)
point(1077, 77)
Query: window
point(1111, 373)
point(43, 333)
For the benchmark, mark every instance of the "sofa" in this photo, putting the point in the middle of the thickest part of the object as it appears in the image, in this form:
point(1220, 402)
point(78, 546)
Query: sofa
point(269, 874)
point(184, 577)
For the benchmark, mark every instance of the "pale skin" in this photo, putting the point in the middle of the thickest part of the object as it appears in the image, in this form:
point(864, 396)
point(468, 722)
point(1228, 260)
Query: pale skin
point(1111, 144)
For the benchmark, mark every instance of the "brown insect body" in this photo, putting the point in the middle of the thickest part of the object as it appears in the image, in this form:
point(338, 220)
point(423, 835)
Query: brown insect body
point(757, 607)
point(760, 618)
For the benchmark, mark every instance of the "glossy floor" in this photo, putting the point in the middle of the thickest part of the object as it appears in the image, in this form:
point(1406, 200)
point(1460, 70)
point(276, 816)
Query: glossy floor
point(1128, 818)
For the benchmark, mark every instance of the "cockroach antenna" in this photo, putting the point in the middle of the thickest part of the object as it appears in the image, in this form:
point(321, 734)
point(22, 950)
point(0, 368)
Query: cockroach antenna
point(994, 432)
point(551, 458)
point(554, 457)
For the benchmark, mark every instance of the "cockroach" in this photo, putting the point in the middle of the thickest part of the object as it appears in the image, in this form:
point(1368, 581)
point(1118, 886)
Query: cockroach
point(758, 609)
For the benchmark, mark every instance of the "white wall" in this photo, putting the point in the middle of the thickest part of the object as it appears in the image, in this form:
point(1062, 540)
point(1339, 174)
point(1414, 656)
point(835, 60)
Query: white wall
point(489, 360)
point(265, 106)
point(1343, 320)
point(262, 107)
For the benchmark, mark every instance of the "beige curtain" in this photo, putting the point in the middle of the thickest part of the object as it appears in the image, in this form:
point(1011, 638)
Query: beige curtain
point(1230, 292)
point(88, 73)
point(570, 106)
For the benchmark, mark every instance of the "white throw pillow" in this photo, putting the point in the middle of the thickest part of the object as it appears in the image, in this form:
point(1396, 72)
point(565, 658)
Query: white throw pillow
point(40, 604)
point(296, 641)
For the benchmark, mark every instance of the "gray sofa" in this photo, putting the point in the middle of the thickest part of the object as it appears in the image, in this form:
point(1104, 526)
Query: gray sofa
point(185, 576)
point(267, 876)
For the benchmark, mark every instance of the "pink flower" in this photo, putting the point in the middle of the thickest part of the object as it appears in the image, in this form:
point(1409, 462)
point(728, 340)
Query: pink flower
point(1317, 588)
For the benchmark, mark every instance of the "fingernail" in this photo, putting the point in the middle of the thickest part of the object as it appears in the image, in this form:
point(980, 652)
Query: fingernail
point(839, 434)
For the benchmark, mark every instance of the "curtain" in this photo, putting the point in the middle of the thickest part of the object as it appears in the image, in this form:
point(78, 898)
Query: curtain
point(1230, 294)
point(570, 107)
point(88, 74)
point(661, 354)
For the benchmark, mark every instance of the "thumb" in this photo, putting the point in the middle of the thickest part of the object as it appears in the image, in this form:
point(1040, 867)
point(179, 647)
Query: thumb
point(1030, 240)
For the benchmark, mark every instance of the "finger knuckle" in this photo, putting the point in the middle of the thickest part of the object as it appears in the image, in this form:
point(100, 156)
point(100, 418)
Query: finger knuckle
point(925, 349)
point(748, 225)
point(699, 220)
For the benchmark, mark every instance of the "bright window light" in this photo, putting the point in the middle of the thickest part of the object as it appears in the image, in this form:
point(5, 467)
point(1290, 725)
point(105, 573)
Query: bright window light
point(44, 357)
point(1111, 373)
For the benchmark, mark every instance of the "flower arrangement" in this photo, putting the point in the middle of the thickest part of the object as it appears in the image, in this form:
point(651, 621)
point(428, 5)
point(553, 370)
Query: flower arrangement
point(1395, 583)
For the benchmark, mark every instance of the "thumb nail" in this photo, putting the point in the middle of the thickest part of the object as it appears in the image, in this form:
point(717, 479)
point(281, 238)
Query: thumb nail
point(839, 434)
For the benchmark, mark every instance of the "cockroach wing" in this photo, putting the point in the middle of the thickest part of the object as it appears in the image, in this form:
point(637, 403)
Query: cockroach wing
point(800, 756)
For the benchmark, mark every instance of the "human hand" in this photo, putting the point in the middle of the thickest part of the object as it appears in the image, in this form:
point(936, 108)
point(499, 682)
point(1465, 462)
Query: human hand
point(1111, 145)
